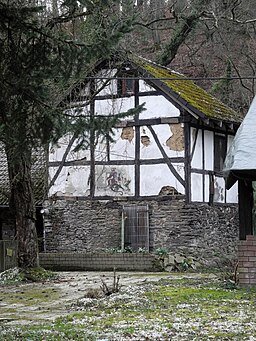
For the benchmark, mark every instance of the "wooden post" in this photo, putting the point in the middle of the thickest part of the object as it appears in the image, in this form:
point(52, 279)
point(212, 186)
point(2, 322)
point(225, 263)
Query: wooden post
point(92, 144)
point(245, 194)
point(187, 166)
point(137, 143)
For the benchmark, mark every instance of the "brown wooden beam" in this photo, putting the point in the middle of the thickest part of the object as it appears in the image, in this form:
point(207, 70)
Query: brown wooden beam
point(84, 162)
point(150, 121)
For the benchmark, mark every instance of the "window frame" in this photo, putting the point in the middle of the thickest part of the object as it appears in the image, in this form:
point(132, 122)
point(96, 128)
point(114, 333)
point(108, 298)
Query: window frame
point(139, 219)
point(220, 151)
point(123, 89)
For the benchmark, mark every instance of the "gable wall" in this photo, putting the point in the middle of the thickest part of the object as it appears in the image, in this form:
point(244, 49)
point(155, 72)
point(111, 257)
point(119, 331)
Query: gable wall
point(133, 164)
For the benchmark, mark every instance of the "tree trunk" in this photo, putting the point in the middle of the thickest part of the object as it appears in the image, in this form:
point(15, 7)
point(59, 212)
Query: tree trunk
point(23, 206)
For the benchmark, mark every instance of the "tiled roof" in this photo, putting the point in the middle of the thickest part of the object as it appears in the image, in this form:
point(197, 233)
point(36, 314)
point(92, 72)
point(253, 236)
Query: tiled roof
point(187, 93)
point(38, 175)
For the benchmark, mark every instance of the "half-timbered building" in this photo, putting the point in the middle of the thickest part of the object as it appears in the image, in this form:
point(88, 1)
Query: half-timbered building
point(158, 181)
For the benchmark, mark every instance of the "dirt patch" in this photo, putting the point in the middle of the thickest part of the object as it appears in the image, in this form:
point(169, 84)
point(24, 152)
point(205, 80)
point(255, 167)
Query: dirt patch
point(39, 302)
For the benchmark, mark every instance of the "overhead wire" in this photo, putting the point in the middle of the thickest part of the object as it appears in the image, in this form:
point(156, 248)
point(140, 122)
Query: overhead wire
point(169, 78)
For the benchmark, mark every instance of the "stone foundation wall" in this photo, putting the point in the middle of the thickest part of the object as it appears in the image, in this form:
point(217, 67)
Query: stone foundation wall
point(200, 230)
point(247, 261)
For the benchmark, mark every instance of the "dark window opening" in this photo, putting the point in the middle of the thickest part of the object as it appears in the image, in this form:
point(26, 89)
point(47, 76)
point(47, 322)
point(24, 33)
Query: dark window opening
point(8, 229)
point(220, 151)
point(246, 203)
point(126, 85)
point(135, 231)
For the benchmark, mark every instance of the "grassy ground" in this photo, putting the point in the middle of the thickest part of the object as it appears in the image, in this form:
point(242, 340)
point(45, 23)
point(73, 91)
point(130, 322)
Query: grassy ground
point(177, 307)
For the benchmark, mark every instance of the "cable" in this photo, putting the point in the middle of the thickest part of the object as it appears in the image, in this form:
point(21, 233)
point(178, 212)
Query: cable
point(168, 78)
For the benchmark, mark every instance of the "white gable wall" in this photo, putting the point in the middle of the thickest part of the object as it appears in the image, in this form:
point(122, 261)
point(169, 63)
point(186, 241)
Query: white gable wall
point(118, 178)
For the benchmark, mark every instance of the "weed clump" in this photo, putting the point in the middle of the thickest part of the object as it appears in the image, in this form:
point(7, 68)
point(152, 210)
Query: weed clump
point(111, 289)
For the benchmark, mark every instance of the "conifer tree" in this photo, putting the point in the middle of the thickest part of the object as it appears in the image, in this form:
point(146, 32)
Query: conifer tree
point(41, 58)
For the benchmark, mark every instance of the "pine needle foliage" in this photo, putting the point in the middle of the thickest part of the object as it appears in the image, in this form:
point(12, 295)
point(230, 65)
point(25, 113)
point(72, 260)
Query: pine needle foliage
point(42, 56)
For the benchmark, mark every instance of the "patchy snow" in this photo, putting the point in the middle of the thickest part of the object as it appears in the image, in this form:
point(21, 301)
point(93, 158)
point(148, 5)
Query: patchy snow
point(149, 306)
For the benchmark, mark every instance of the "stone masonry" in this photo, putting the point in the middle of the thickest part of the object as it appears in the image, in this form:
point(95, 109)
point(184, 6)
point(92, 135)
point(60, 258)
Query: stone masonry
point(207, 232)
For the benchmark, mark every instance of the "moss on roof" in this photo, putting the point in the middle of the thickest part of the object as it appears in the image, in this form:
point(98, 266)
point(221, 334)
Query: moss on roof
point(189, 92)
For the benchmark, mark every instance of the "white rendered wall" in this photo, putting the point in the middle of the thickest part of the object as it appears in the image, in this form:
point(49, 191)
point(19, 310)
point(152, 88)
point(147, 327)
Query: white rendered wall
point(151, 150)
point(72, 181)
point(197, 160)
point(144, 87)
point(113, 106)
point(110, 88)
point(208, 150)
point(154, 177)
point(158, 106)
point(219, 190)
point(196, 187)
point(121, 148)
point(206, 188)
point(56, 151)
point(232, 194)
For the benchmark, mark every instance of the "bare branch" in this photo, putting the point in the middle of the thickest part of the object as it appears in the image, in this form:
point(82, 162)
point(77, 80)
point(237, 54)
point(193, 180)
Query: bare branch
point(66, 18)
point(240, 78)
point(148, 24)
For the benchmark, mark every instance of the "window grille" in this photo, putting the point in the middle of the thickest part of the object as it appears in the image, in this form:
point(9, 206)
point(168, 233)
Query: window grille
point(135, 227)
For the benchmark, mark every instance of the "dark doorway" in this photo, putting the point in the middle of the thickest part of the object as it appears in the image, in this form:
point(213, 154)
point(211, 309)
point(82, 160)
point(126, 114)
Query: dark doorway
point(40, 229)
point(245, 191)
point(135, 228)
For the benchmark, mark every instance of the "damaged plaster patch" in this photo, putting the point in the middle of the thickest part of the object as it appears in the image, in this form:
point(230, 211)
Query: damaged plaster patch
point(127, 134)
point(145, 140)
point(176, 141)
point(218, 192)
